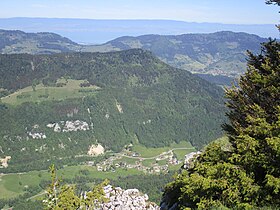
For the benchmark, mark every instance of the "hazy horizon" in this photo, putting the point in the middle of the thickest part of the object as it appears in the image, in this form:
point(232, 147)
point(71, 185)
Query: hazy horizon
point(94, 31)
point(137, 19)
point(215, 11)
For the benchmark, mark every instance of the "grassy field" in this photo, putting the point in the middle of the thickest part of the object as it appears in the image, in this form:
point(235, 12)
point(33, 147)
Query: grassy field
point(182, 152)
point(12, 185)
point(148, 163)
point(127, 160)
point(152, 152)
point(72, 171)
point(71, 89)
point(6, 191)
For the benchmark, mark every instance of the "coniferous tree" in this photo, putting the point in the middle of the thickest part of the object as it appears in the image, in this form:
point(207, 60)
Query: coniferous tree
point(254, 114)
point(65, 198)
point(245, 174)
point(273, 2)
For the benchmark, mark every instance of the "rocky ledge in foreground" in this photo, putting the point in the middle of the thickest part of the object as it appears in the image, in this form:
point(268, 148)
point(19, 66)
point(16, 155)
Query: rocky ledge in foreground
point(131, 199)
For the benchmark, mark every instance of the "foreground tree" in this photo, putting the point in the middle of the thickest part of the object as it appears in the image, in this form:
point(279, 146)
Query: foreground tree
point(255, 121)
point(245, 174)
point(273, 2)
point(65, 198)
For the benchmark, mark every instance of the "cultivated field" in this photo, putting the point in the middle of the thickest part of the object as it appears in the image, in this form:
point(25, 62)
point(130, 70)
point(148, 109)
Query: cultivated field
point(70, 89)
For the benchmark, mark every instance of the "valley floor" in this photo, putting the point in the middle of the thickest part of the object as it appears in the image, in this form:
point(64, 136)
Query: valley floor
point(132, 161)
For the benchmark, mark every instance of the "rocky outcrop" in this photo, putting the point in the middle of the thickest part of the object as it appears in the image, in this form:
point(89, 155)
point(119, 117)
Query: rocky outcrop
point(130, 199)
point(75, 126)
point(95, 150)
point(37, 135)
point(4, 161)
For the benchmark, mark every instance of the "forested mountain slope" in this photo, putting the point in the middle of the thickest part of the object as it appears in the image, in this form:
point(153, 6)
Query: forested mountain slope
point(15, 41)
point(121, 98)
point(221, 53)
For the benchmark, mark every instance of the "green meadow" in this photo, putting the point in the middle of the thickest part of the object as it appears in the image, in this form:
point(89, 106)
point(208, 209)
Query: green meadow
point(183, 147)
point(13, 185)
point(70, 89)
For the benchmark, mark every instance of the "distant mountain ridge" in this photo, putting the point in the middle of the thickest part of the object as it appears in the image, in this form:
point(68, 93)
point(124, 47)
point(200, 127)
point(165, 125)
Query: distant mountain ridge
point(99, 31)
point(16, 41)
point(220, 53)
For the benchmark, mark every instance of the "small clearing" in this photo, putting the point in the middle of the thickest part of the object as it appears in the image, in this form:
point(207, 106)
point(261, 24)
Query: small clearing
point(71, 89)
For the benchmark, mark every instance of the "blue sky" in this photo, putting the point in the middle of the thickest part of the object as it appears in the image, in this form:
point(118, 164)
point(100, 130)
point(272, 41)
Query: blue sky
point(219, 11)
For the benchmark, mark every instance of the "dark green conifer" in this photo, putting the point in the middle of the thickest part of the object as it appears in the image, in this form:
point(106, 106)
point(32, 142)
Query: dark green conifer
point(245, 174)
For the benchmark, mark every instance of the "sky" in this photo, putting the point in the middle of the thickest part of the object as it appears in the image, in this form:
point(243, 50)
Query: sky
point(214, 11)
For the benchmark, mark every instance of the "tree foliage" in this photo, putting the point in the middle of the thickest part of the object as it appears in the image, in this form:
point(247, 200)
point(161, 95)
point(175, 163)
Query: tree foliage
point(273, 2)
point(65, 197)
point(245, 175)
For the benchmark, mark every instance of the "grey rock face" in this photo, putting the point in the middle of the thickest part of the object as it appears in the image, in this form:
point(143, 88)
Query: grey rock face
point(131, 199)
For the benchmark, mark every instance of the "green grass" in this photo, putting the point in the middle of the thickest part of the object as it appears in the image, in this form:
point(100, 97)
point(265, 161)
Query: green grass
point(162, 162)
point(146, 153)
point(181, 153)
point(71, 171)
point(148, 163)
point(151, 152)
point(12, 185)
point(4, 192)
point(127, 160)
point(182, 144)
point(70, 90)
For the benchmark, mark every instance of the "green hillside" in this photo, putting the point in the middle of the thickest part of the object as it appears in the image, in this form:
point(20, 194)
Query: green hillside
point(15, 41)
point(221, 53)
point(54, 107)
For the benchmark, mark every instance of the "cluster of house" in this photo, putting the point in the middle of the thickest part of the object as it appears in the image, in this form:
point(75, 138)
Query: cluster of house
point(68, 126)
point(154, 168)
point(62, 126)
point(117, 161)
point(34, 134)
point(38, 135)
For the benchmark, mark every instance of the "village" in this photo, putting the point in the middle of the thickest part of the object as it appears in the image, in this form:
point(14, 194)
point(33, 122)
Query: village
point(127, 159)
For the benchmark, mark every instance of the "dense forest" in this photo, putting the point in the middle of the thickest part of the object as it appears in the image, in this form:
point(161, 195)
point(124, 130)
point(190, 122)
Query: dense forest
point(139, 99)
